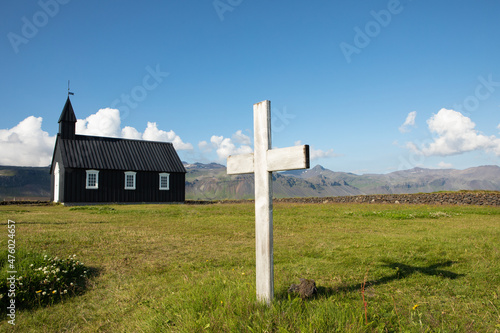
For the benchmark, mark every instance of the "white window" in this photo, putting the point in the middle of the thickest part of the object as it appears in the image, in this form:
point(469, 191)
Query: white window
point(164, 181)
point(92, 179)
point(130, 180)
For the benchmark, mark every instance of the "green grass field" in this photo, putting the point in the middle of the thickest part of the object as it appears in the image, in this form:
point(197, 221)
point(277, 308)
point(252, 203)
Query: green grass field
point(190, 268)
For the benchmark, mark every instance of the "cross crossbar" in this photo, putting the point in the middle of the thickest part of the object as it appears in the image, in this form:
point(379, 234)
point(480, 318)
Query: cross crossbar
point(279, 159)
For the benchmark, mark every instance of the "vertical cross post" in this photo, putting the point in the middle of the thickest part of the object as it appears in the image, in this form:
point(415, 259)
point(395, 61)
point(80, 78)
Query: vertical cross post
point(263, 203)
point(262, 162)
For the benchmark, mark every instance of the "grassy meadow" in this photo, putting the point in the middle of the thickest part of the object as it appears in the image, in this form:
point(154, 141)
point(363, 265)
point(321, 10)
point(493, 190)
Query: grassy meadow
point(190, 268)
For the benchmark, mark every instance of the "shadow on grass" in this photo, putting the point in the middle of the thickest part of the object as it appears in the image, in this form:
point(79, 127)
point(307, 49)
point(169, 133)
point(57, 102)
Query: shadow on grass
point(403, 271)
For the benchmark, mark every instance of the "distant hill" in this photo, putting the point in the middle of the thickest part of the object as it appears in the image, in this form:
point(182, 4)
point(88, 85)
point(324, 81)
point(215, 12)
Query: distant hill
point(24, 183)
point(210, 182)
point(411, 181)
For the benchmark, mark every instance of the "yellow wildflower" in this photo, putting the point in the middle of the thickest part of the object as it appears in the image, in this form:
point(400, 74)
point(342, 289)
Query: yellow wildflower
point(415, 306)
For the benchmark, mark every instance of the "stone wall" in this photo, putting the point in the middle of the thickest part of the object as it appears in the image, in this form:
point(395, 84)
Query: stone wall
point(445, 198)
point(449, 198)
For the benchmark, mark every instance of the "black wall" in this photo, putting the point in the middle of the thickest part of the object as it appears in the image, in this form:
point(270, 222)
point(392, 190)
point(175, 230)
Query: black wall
point(112, 187)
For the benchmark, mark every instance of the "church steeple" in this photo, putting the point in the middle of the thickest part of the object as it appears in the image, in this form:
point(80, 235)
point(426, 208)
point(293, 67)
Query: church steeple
point(67, 121)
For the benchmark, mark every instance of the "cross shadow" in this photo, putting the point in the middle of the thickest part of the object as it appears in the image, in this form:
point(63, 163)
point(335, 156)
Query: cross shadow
point(402, 271)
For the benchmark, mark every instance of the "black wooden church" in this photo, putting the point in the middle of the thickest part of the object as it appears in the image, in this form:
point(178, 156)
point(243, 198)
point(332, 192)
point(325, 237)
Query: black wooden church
point(91, 169)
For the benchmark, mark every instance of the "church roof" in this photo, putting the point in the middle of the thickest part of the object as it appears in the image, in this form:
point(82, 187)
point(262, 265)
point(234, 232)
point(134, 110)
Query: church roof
point(67, 113)
point(102, 153)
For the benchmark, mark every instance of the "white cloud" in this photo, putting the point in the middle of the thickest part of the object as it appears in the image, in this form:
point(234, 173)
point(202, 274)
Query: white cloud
point(152, 133)
point(239, 143)
point(131, 133)
point(456, 134)
point(315, 154)
point(225, 147)
point(410, 121)
point(444, 165)
point(318, 153)
point(241, 138)
point(106, 122)
point(205, 146)
point(26, 144)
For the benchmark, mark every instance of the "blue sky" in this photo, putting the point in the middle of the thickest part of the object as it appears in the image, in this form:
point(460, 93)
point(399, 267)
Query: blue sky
point(371, 86)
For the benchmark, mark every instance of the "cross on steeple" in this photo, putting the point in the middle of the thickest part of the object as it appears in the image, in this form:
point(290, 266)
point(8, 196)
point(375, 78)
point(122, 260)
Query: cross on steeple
point(69, 92)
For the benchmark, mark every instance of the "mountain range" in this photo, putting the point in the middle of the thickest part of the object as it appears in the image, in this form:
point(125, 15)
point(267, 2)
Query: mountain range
point(211, 182)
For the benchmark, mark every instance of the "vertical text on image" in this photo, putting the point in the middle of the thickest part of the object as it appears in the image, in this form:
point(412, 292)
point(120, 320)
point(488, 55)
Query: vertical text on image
point(11, 272)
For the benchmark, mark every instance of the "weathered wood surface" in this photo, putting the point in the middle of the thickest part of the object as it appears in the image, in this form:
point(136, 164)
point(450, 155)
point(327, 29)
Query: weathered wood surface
point(262, 162)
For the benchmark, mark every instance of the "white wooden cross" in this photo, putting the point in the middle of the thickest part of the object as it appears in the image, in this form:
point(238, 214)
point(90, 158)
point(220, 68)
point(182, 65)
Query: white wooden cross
point(262, 162)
